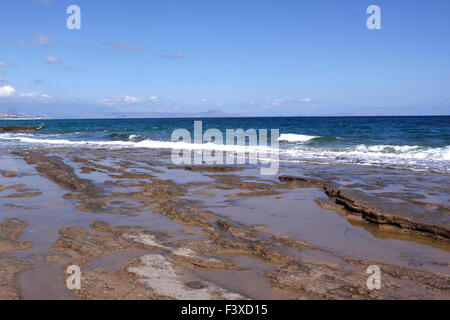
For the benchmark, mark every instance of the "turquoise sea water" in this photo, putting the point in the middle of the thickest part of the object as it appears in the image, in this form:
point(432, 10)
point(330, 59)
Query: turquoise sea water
point(414, 143)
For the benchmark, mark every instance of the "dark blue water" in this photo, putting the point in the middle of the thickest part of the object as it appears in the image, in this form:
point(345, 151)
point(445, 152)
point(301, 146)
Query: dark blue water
point(417, 143)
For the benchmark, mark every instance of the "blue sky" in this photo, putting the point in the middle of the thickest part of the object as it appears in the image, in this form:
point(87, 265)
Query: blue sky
point(248, 57)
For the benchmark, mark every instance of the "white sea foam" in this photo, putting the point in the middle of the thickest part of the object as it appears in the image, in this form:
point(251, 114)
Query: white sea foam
point(150, 144)
point(405, 152)
point(410, 157)
point(136, 137)
point(292, 137)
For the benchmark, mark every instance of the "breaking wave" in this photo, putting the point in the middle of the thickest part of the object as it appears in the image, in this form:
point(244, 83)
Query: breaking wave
point(395, 156)
point(292, 137)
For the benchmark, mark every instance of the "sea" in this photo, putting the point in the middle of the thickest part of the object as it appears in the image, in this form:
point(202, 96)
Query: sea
point(417, 143)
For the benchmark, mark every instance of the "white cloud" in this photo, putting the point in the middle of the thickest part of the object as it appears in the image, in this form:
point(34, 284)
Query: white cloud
point(125, 46)
point(153, 99)
point(10, 92)
point(52, 60)
point(2, 80)
point(283, 102)
point(43, 40)
point(128, 99)
point(45, 1)
point(204, 100)
point(7, 91)
point(110, 102)
point(23, 44)
point(278, 102)
point(179, 54)
point(120, 100)
point(77, 45)
point(2, 64)
point(35, 95)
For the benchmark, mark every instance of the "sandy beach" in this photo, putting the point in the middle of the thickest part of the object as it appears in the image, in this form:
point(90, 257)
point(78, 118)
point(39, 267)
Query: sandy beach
point(140, 227)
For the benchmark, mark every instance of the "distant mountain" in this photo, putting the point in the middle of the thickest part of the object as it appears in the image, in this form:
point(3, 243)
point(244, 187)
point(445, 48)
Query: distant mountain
point(15, 116)
point(217, 113)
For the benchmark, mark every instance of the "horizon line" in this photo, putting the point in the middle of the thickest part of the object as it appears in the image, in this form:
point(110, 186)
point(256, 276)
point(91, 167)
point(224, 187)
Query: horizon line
point(234, 117)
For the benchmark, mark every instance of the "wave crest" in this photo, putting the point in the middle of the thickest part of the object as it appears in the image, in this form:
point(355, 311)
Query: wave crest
point(293, 137)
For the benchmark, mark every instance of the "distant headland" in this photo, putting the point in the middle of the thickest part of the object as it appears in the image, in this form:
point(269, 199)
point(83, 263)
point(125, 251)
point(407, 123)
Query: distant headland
point(15, 116)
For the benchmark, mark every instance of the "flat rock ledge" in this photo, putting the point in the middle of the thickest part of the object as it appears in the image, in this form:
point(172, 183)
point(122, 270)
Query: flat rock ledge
point(371, 209)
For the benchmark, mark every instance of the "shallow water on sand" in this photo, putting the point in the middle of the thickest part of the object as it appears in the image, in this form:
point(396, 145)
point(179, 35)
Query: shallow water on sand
point(289, 212)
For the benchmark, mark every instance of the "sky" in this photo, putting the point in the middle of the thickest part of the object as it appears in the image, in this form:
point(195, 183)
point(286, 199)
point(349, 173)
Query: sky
point(245, 57)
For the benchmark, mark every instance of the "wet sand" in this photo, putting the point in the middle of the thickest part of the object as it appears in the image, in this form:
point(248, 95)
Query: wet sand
point(141, 228)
